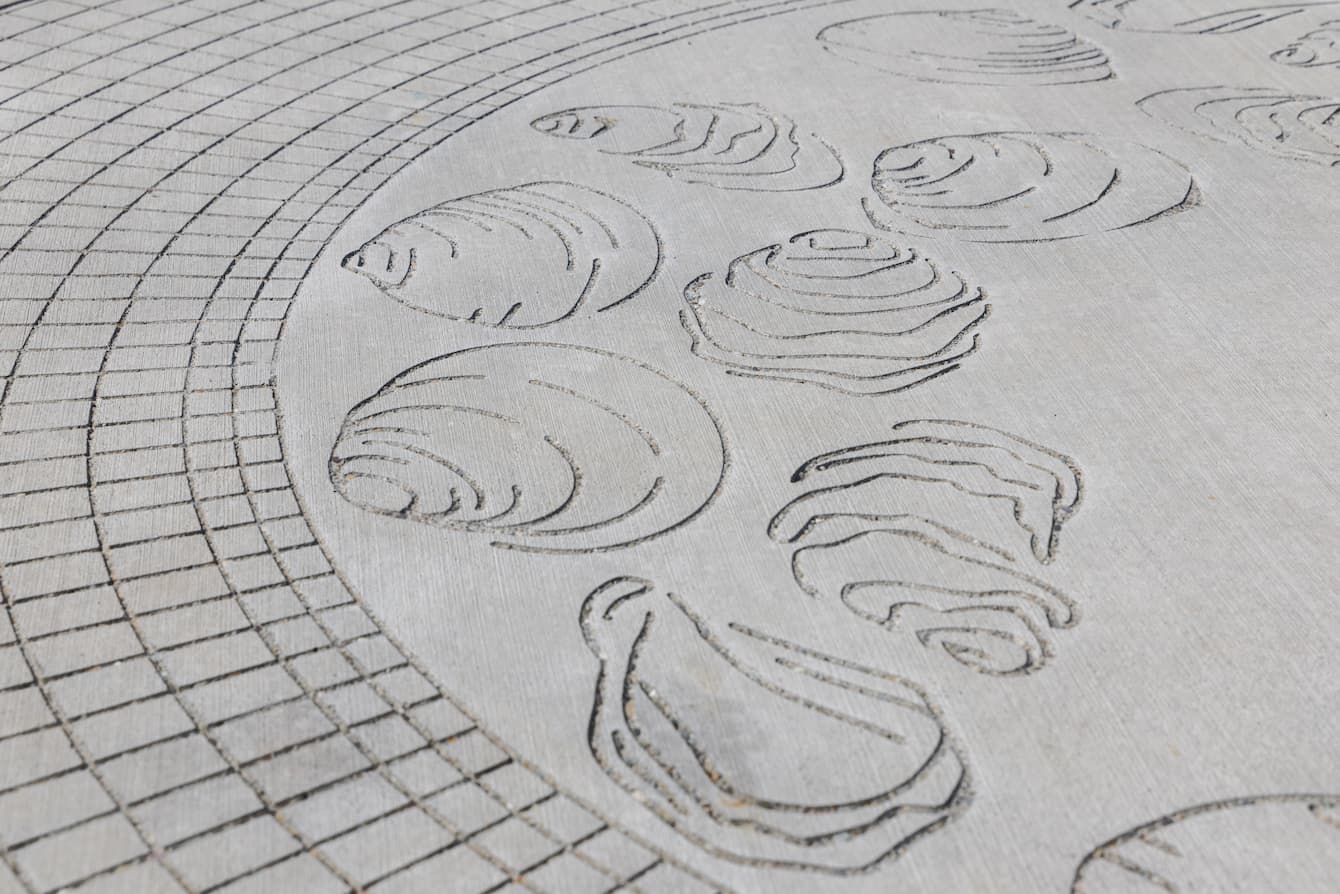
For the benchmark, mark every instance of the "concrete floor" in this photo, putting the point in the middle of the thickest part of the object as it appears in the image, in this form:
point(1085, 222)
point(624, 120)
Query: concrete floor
point(669, 446)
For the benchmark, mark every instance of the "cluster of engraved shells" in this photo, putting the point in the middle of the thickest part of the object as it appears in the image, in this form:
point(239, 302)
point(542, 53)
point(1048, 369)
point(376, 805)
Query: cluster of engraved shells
point(939, 534)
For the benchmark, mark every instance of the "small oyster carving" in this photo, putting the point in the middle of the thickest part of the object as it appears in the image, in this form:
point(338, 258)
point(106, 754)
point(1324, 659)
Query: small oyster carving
point(741, 146)
point(932, 533)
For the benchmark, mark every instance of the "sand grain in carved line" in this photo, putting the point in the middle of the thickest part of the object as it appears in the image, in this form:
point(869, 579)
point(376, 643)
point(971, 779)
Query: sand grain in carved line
point(541, 447)
point(1025, 187)
point(518, 258)
point(994, 47)
point(738, 146)
point(843, 310)
point(1279, 123)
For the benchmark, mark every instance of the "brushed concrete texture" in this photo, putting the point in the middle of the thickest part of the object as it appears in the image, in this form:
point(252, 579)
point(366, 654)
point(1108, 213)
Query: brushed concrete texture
point(669, 446)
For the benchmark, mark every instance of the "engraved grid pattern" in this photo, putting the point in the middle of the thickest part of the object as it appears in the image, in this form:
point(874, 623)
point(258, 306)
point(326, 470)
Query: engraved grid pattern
point(191, 698)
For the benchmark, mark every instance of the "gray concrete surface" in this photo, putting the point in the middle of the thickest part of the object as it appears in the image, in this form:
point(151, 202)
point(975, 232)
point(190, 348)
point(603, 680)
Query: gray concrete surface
point(669, 446)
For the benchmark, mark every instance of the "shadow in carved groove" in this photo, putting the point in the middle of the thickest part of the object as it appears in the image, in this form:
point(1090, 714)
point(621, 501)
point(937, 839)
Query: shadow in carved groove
point(994, 47)
point(740, 146)
point(1025, 187)
point(1193, 16)
point(570, 449)
point(684, 708)
point(839, 309)
point(931, 534)
point(1255, 843)
point(1279, 123)
point(518, 258)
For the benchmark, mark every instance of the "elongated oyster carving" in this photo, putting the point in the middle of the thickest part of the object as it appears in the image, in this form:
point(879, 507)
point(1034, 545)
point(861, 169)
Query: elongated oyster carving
point(684, 709)
point(1194, 16)
point(995, 47)
point(1277, 122)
